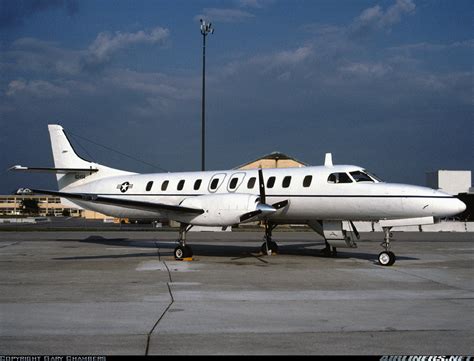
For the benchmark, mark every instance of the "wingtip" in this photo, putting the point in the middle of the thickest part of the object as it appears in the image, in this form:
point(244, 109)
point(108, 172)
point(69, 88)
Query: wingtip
point(16, 167)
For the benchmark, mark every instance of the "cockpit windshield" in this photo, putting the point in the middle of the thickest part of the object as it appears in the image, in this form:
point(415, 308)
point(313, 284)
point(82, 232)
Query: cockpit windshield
point(339, 178)
point(364, 176)
point(361, 176)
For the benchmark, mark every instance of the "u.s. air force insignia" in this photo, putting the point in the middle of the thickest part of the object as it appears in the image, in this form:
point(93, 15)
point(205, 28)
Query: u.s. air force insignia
point(125, 186)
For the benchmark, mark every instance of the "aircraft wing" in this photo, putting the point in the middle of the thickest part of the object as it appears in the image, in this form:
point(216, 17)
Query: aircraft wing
point(126, 203)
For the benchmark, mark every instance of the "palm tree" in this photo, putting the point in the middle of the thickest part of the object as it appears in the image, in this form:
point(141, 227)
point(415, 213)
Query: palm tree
point(30, 206)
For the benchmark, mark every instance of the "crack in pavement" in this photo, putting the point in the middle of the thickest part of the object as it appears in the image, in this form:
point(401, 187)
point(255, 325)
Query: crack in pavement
point(167, 308)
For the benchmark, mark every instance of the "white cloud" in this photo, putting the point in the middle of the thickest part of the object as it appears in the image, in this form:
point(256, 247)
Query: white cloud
point(106, 44)
point(224, 15)
point(366, 69)
point(256, 4)
point(30, 54)
point(37, 88)
point(154, 84)
point(375, 18)
point(425, 46)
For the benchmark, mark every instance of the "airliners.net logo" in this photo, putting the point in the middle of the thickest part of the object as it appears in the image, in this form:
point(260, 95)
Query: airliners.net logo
point(427, 358)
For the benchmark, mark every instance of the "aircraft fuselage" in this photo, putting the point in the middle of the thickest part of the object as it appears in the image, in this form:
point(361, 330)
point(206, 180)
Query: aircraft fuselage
point(311, 193)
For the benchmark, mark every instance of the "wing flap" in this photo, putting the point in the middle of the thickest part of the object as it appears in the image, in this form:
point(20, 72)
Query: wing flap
point(127, 203)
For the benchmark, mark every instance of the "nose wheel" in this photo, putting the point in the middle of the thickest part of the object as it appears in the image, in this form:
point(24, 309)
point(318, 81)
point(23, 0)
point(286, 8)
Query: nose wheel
point(269, 246)
point(387, 257)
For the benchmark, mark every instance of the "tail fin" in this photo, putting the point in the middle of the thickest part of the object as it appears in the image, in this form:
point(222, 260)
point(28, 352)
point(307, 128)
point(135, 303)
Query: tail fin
point(65, 156)
point(63, 153)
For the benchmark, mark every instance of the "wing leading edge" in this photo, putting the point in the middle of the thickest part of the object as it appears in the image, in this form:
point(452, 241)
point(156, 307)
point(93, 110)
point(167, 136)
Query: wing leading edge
point(127, 203)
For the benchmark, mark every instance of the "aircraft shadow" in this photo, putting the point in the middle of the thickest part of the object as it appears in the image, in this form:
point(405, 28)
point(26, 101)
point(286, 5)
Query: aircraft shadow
point(235, 252)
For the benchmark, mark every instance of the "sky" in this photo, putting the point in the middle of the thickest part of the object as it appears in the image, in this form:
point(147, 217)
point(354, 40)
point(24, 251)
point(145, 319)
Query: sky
point(386, 85)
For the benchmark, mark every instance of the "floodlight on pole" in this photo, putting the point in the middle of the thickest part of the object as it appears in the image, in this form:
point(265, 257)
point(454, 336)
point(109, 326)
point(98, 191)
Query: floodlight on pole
point(206, 28)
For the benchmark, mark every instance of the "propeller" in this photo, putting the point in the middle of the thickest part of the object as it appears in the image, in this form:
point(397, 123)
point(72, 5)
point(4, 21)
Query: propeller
point(262, 206)
point(261, 185)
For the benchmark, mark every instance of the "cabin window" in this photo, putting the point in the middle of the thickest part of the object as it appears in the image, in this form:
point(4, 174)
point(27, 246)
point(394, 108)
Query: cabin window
point(149, 185)
point(233, 183)
point(197, 184)
point(251, 183)
point(214, 183)
point(307, 181)
point(361, 177)
point(181, 185)
point(286, 181)
point(339, 178)
point(270, 182)
point(164, 185)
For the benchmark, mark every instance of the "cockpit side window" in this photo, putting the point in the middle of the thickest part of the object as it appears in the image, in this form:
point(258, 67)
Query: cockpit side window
point(339, 178)
point(361, 177)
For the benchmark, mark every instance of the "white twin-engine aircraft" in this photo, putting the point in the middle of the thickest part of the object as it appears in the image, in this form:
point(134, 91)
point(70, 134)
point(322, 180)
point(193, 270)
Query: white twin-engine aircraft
point(321, 197)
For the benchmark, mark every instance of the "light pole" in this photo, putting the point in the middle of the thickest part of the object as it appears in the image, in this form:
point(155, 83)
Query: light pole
point(205, 29)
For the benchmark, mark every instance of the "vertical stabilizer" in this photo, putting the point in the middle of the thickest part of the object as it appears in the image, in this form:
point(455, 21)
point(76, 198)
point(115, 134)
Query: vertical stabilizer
point(65, 157)
point(63, 152)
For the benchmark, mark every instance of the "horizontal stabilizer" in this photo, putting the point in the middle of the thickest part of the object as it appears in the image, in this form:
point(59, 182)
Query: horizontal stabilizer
point(19, 168)
point(127, 203)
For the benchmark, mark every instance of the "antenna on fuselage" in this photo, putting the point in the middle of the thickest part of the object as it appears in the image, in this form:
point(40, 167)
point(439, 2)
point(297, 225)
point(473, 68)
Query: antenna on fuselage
point(328, 160)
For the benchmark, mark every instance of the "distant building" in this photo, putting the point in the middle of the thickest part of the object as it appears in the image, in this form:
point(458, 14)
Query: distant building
point(48, 206)
point(450, 181)
point(11, 205)
point(273, 160)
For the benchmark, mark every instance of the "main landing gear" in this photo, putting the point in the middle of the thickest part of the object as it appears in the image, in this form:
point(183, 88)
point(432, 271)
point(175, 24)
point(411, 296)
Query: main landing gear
point(328, 251)
point(269, 246)
point(183, 251)
point(387, 257)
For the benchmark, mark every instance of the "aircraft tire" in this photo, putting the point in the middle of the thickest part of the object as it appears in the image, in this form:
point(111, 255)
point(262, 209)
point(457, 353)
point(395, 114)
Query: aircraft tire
point(182, 252)
point(188, 251)
point(392, 258)
point(272, 248)
point(179, 253)
point(386, 258)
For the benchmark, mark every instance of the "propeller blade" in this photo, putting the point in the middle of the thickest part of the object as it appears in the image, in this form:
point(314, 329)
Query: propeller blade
point(281, 204)
point(247, 216)
point(261, 209)
point(261, 185)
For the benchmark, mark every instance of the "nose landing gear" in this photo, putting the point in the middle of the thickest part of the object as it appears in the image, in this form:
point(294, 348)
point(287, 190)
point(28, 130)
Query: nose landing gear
point(387, 257)
point(269, 246)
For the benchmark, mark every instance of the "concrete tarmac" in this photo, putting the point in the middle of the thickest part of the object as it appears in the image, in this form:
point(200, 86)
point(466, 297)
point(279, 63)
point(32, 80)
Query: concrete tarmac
point(123, 293)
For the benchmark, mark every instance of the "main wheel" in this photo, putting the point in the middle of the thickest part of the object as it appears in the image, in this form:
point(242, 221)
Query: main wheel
point(182, 252)
point(272, 248)
point(392, 258)
point(386, 258)
point(188, 252)
point(179, 253)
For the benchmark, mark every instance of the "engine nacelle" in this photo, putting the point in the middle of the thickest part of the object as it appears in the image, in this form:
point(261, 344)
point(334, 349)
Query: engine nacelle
point(221, 209)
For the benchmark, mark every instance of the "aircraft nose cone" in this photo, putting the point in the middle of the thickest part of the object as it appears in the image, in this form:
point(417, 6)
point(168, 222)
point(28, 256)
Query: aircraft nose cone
point(453, 206)
point(461, 206)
